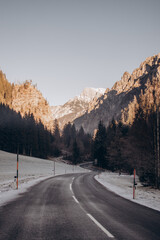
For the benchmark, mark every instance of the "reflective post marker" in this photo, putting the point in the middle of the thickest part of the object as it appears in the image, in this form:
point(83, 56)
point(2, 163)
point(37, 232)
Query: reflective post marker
point(17, 165)
point(134, 184)
point(54, 168)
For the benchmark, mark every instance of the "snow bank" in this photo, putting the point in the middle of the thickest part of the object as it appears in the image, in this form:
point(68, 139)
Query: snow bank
point(31, 171)
point(123, 186)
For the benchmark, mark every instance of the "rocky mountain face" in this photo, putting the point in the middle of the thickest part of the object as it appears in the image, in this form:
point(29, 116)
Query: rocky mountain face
point(26, 98)
point(77, 106)
point(122, 100)
point(5, 90)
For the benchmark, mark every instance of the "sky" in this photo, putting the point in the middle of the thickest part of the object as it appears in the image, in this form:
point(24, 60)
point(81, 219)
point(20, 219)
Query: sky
point(64, 46)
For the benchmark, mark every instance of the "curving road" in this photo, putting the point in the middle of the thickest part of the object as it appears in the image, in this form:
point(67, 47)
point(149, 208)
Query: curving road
point(75, 206)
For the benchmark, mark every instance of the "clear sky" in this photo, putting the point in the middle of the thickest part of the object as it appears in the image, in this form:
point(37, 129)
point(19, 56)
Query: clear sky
point(66, 45)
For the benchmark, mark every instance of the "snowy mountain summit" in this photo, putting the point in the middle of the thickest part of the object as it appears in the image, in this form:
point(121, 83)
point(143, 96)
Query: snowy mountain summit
point(76, 106)
point(88, 94)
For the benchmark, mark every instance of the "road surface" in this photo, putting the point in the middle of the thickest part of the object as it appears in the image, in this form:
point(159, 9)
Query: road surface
point(75, 206)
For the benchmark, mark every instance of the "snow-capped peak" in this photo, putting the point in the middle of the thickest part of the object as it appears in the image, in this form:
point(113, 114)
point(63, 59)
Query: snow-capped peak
point(88, 94)
point(76, 106)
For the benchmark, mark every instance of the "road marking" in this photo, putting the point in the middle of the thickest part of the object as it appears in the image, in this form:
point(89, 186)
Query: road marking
point(75, 199)
point(100, 226)
point(72, 178)
point(70, 186)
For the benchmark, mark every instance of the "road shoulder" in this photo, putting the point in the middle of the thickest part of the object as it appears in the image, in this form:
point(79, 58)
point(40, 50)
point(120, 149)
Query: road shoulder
point(122, 185)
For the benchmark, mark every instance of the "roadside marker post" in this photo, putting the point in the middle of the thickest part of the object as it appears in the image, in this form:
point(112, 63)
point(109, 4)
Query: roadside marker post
point(54, 168)
point(15, 182)
point(134, 184)
point(17, 164)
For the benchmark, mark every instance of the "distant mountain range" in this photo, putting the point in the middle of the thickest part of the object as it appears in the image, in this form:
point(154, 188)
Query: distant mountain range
point(92, 105)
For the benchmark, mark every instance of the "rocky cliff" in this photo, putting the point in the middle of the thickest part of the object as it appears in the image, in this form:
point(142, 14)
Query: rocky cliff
point(5, 90)
point(122, 100)
point(26, 98)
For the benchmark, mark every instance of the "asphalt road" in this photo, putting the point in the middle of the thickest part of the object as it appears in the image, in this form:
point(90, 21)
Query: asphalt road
point(74, 207)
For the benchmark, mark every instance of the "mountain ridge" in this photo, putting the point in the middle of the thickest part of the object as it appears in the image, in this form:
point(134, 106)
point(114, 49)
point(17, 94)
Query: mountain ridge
point(93, 104)
point(122, 100)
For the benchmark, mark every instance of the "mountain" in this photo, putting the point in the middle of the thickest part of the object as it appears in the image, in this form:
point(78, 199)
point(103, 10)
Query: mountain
point(5, 90)
point(76, 107)
point(25, 98)
point(92, 105)
point(122, 100)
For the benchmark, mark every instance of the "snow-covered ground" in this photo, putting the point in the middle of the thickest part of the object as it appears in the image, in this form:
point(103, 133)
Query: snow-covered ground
point(123, 186)
point(31, 171)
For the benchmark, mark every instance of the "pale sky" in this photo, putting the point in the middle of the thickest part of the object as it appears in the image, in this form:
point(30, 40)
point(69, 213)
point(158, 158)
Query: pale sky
point(64, 46)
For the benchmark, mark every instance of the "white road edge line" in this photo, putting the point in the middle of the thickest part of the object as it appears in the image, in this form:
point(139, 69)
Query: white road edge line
point(70, 186)
point(100, 226)
point(75, 199)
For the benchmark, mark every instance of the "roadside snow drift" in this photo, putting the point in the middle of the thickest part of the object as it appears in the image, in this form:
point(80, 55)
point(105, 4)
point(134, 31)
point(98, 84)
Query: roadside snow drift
point(123, 186)
point(31, 171)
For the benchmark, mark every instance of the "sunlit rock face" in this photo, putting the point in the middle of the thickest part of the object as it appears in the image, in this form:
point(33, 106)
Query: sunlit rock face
point(121, 101)
point(25, 99)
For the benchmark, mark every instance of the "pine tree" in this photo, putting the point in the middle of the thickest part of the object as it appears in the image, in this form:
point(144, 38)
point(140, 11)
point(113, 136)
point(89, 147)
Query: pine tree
point(75, 152)
point(100, 148)
point(57, 140)
point(56, 131)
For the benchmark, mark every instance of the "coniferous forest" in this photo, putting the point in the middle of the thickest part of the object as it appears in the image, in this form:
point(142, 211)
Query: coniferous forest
point(125, 148)
point(23, 134)
point(28, 137)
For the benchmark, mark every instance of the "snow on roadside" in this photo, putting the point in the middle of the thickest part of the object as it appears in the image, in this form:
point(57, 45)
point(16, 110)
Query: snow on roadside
point(123, 186)
point(31, 171)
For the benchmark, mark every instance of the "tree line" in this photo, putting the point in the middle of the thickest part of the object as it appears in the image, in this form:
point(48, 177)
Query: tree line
point(125, 148)
point(74, 145)
point(29, 137)
point(25, 134)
